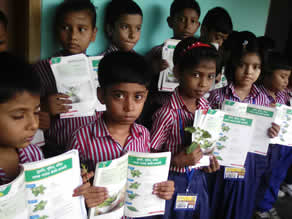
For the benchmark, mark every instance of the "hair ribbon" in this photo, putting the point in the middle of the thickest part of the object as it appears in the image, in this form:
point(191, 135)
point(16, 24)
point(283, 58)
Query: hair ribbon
point(196, 45)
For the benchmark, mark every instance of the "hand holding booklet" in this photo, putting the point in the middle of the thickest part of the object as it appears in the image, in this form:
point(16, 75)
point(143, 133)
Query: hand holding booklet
point(43, 190)
point(76, 78)
point(167, 80)
point(129, 181)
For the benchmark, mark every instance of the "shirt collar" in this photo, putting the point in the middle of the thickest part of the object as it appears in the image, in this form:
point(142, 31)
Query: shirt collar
point(254, 92)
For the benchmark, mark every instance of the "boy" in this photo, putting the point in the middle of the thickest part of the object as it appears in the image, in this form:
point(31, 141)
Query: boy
point(75, 28)
point(123, 89)
point(3, 32)
point(19, 109)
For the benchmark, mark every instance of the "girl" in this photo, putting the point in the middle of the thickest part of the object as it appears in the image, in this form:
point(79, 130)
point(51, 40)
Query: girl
point(195, 68)
point(274, 85)
point(234, 198)
point(122, 24)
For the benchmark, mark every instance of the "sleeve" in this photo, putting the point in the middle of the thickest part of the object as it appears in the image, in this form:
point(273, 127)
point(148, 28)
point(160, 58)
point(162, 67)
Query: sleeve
point(214, 99)
point(162, 123)
point(77, 145)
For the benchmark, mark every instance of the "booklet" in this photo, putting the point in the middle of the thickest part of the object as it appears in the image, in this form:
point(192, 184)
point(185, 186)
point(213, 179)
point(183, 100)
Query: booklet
point(284, 119)
point(129, 181)
point(263, 116)
point(167, 80)
point(43, 190)
point(74, 78)
point(225, 135)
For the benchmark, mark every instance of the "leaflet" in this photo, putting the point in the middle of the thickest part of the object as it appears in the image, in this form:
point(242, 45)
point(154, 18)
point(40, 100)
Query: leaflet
point(74, 78)
point(44, 189)
point(263, 116)
point(284, 119)
point(129, 181)
point(167, 80)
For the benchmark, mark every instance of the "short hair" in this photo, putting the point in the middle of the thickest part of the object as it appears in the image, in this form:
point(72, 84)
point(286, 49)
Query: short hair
point(18, 77)
point(116, 8)
point(277, 61)
point(219, 20)
point(74, 6)
point(3, 19)
point(123, 67)
point(185, 56)
point(241, 44)
point(179, 5)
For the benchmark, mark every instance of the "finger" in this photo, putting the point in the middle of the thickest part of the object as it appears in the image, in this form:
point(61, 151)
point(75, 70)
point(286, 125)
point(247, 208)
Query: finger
point(276, 127)
point(64, 101)
point(61, 95)
point(165, 195)
point(94, 202)
point(81, 190)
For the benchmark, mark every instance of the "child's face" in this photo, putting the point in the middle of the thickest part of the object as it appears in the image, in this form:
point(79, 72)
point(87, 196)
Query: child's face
point(76, 32)
point(184, 24)
point(280, 79)
point(248, 71)
point(19, 120)
point(126, 31)
point(124, 102)
point(216, 37)
point(3, 38)
point(197, 81)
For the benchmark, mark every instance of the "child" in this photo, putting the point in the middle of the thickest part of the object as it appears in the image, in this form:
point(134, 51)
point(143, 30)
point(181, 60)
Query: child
point(122, 23)
point(75, 28)
point(235, 198)
point(3, 32)
point(123, 90)
point(274, 85)
point(195, 68)
point(19, 109)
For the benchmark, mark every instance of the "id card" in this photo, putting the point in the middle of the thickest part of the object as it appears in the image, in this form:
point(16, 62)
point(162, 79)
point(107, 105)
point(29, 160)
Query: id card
point(234, 173)
point(185, 202)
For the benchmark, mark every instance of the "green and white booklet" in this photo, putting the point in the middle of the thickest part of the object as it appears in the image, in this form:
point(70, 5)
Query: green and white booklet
point(43, 190)
point(225, 135)
point(129, 181)
point(167, 80)
point(75, 77)
point(263, 116)
point(284, 119)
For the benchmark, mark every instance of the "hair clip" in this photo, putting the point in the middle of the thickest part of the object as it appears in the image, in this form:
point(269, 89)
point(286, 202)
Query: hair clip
point(196, 45)
point(244, 44)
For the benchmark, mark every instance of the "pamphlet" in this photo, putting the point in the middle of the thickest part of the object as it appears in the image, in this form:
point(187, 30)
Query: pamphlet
point(167, 80)
point(263, 116)
point(129, 181)
point(74, 78)
point(43, 190)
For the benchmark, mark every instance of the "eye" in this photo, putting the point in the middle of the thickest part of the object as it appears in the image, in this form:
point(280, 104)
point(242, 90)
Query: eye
point(139, 96)
point(18, 116)
point(212, 76)
point(124, 27)
point(196, 75)
point(257, 67)
point(118, 96)
point(82, 29)
point(181, 19)
point(65, 27)
point(138, 29)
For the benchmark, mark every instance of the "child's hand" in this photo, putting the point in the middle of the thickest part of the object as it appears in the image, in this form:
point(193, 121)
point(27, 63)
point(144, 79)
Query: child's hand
point(45, 120)
point(57, 103)
point(214, 165)
point(164, 190)
point(163, 65)
point(274, 130)
point(183, 159)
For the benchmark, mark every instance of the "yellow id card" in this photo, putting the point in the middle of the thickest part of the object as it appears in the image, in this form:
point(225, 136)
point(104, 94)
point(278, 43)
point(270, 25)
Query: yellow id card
point(234, 173)
point(185, 202)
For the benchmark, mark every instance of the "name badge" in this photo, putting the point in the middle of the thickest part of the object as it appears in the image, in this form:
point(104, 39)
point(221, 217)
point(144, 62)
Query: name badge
point(234, 173)
point(185, 202)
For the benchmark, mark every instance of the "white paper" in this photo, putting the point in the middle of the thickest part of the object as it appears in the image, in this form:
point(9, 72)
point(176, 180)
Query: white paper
point(167, 80)
point(39, 138)
point(129, 180)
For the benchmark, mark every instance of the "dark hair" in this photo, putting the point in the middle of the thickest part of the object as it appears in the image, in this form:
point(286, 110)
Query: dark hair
point(276, 61)
point(3, 19)
point(116, 8)
point(218, 20)
point(186, 57)
point(242, 43)
point(179, 5)
point(74, 6)
point(18, 77)
point(123, 67)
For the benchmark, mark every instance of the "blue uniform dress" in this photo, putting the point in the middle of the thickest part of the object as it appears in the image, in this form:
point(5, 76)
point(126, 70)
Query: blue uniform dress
point(279, 158)
point(235, 198)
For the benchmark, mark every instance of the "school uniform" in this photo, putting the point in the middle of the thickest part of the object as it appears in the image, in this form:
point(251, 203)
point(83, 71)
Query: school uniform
point(235, 198)
point(110, 49)
point(60, 130)
point(28, 154)
point(280, 159)
point(166, 135)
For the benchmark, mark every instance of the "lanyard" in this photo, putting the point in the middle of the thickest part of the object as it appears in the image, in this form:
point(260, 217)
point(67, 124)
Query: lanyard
point(182, 135)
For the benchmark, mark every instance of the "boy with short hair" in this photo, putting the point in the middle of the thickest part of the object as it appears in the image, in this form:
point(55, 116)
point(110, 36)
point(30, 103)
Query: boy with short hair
point(75, 27)
point(19, 112)
point(123, 89)
point(3, 32)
